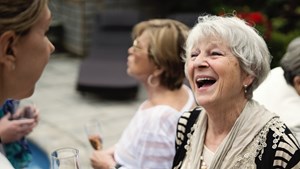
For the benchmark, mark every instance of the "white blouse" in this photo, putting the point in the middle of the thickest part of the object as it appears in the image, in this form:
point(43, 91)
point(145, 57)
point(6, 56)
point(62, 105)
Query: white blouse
point(279, 97)
point(148, 142)
point(4, 163)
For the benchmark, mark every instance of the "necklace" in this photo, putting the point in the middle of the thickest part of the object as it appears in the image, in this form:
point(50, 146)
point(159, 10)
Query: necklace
point(202, 163)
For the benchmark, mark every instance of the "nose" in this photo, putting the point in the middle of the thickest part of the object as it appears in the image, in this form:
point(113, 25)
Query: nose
point(201, 61)
point(130, 50)
point(52, 47)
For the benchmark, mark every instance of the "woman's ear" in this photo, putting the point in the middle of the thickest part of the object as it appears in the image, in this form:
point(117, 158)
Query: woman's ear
point(296, 81)
point(6, 52)
point(248, 80)
point(158, 71)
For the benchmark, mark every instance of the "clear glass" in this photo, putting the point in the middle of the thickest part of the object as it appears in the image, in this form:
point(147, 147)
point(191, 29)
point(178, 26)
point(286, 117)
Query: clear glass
point(65, 158)
point(94, 134)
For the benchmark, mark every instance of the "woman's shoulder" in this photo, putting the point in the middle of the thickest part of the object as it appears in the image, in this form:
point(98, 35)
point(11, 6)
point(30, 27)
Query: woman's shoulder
point(279, 133)
point(159, 116)
point(185, 124)
point(190, 116)
point(4, 163)
point(280, 149)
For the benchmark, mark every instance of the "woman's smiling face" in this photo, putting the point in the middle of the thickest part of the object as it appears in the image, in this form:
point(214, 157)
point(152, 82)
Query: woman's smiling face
point(214, 72)
point(139, 64)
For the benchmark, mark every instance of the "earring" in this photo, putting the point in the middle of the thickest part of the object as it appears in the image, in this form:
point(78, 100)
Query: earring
point(245, 88)
point(150, 81)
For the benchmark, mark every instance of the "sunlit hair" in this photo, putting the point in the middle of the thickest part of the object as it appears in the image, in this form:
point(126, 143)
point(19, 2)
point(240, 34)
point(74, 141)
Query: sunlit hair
point(243, 40)
point(166, 48)
point(19, 15)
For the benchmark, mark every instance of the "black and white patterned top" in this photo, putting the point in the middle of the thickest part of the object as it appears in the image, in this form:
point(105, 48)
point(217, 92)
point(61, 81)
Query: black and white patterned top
point(276, 147)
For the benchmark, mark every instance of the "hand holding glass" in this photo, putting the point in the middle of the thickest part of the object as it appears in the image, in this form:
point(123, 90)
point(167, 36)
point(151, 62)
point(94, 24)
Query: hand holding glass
point(93, 132)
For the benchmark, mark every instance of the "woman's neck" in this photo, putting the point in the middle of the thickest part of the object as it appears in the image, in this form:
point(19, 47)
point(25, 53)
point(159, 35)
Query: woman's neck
point(163, 96)
point(220, 123)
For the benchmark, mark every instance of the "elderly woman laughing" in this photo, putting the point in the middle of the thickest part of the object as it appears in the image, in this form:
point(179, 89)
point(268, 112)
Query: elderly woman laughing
point(226, 60)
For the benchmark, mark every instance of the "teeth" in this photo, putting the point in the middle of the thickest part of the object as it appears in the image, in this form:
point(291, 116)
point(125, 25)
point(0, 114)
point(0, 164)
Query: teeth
point(205, 81)
point(201, 79)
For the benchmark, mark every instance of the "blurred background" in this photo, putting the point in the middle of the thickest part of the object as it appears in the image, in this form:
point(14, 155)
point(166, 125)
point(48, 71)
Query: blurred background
point(277, 20)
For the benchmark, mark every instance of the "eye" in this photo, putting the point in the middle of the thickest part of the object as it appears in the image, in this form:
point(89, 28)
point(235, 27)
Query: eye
point(216, 53)
point(136, 48)
point(195, 53)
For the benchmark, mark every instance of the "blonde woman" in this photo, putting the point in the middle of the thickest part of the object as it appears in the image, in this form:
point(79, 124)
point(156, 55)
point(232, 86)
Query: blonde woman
point(154, 60)
point(24, 53)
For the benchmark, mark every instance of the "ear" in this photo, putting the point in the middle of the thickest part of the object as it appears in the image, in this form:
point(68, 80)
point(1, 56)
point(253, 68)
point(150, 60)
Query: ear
point(6, 52)
point(248, 80)
point(296, 81)
point(158, 71)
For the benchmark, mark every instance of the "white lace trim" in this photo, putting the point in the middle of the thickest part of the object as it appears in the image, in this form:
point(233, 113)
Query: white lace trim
point(246, 159)
point(256, 148)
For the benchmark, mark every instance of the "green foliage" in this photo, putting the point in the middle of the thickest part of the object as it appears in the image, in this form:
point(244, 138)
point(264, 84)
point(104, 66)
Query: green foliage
point(278, 44)
point(281, 18)
point(281, 21)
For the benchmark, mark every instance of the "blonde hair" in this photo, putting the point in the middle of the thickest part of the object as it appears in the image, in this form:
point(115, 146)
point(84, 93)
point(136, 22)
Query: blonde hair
point(19, 15)
point(166, 48)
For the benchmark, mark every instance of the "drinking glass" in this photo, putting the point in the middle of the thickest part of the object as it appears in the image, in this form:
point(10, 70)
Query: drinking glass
point(65, 158)
point(94, 134)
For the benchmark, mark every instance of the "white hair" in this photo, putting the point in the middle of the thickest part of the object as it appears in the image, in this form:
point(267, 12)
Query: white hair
point(243, 40)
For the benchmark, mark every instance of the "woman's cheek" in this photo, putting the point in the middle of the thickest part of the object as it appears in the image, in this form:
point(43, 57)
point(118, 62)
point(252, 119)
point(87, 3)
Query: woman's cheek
point(189, 70)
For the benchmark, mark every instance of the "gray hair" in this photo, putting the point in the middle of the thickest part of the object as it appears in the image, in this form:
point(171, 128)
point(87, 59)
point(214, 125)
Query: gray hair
point(290, 62)
point(243, 40)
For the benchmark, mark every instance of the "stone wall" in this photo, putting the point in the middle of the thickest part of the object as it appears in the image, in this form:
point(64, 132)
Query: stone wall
point(77, 19)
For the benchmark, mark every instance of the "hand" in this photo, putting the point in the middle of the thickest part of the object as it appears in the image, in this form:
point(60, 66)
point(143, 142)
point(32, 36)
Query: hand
point(35, 114)
point(28, 111)
point(102, 160)
point(13, 130)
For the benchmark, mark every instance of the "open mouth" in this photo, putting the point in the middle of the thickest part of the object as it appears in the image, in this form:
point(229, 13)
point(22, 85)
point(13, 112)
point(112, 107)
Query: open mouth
point(204, 82)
